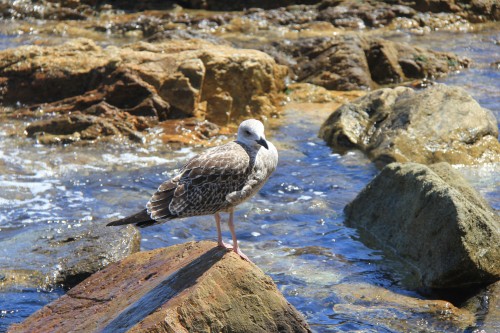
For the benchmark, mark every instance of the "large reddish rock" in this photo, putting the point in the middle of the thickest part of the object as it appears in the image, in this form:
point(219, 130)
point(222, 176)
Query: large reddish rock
point(192, 287)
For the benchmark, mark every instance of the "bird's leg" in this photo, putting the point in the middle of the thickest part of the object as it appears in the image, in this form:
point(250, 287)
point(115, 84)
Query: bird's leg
point(219, 233)
point(233, 234)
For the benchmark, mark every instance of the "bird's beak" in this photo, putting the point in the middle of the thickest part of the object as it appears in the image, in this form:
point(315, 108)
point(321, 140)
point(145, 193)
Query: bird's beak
point(263, 143)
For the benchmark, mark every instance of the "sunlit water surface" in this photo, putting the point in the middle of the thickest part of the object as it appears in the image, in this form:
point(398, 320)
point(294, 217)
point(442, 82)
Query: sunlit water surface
point(293, 229)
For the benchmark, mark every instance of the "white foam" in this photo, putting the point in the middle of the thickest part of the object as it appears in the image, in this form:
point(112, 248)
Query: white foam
point(129, 158)
point(35, 188)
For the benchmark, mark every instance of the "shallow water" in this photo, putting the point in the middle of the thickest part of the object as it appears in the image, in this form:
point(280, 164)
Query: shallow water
point(293, 229)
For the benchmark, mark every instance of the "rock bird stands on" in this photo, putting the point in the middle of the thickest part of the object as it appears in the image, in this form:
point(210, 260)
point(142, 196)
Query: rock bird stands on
point(215, 181)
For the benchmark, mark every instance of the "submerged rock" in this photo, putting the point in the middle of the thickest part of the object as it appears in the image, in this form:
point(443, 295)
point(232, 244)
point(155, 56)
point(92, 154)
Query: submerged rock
point(397, 312)
point(62, 256)
point(485, 302)
point(437, 124)
point(189, 131)
point(432, 219)
point(491, 321)
point(98, 91)
point(192, 287)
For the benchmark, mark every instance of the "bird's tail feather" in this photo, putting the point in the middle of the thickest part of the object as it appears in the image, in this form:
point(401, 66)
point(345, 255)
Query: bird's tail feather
point(141, 219)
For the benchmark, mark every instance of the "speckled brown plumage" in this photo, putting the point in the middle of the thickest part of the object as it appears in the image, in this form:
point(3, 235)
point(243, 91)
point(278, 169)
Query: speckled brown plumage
point(215, 181)
point(204, 182)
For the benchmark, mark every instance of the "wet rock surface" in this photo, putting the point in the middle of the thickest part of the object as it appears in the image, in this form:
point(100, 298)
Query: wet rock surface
point(437, 124)
point(432, 219)
point(108, 91)
point(61, 256)
point(192, 287)
point(485, 302)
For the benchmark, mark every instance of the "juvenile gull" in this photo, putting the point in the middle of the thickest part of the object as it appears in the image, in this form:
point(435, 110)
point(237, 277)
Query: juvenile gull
point(215, 181)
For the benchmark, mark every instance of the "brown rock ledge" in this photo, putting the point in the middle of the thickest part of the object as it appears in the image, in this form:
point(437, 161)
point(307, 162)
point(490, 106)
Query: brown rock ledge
point(191, 287)
point(352, 61)
point(82, 91)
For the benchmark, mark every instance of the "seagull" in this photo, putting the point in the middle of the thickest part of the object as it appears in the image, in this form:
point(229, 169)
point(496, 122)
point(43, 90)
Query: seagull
point(215, 181)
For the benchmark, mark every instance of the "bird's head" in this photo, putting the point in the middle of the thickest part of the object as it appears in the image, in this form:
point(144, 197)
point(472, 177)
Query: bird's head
point(251, 133)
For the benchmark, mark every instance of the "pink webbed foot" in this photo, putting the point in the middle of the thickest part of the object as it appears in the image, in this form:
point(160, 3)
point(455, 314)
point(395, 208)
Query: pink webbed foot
point(237, 250)
point(242, 255)
point(225, 245)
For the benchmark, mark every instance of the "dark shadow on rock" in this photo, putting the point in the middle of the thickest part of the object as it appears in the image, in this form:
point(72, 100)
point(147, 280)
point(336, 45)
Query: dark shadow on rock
point(174, 284)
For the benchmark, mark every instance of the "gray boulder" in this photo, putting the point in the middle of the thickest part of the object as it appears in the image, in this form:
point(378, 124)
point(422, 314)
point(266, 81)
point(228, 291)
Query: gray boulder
point(438, 124)
point(392, 311)
point(433, 220)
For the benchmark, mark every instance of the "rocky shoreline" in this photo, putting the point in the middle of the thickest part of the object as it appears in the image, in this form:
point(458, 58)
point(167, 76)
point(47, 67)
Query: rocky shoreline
point(179, 71)
point(192, 75)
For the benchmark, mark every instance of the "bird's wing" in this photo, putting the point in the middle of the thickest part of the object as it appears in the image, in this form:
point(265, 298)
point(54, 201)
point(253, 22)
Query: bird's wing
point(203, 183)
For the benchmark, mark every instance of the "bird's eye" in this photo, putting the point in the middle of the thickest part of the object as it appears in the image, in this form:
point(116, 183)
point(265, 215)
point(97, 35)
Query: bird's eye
point(247, 132)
